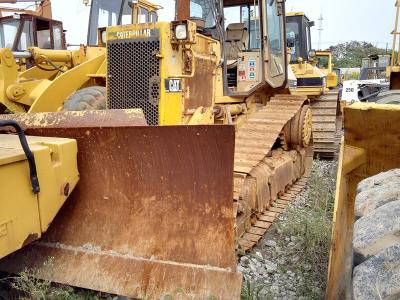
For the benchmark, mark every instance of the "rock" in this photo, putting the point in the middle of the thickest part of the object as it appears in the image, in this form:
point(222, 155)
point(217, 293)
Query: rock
point(270, 266)
point(240, 269)
point(295, 259)
point(291, 244)
point(259, 256)
point(378, 230)
point(270, 243)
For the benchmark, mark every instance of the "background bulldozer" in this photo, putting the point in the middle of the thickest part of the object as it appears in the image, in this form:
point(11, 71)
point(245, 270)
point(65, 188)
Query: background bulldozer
point(313, 82)
point(154, 221)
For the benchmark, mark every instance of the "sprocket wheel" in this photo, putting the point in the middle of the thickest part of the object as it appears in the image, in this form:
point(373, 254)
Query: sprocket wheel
point(299, 130)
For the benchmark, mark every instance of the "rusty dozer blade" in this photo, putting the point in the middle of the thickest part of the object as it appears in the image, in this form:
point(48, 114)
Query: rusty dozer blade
point(151, 216)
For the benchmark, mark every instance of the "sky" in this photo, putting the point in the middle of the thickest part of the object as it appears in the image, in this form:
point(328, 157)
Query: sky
point(343, 20)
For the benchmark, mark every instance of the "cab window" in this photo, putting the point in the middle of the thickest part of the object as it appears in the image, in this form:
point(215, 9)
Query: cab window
point(250, 16)
point(126, 18)
point(43, 34)
point(274, 28)
point(8, 31)
point(26, 39)
point(104, 13)
point(153, 17)
point(142, 17)
point(293, 33)
point(57, 37)
point(274, 34)
point(203, 10)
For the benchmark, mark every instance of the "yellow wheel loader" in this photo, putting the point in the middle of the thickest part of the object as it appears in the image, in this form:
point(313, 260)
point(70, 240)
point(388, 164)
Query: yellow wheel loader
point(159, 210)
point(30, 28)
point(25, 90)
point(312, 82)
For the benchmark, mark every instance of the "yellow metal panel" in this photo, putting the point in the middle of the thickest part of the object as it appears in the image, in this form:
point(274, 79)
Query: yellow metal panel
point(307, 91)
point(58, 175)
point(23, 215)
point(19, 215)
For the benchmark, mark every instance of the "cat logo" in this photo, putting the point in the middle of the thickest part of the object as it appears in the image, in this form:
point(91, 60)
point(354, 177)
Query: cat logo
point(173, 85)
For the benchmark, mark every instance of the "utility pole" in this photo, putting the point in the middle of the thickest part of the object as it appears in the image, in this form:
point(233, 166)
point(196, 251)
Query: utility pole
point(320, 29)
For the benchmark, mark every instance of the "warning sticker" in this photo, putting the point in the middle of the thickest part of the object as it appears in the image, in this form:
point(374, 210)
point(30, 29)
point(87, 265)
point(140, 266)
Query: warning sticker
point(252, 75)
point(242, 75)
point(252, 63)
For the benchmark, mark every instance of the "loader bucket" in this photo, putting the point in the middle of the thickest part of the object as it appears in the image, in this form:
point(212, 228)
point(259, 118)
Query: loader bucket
point(152, 215)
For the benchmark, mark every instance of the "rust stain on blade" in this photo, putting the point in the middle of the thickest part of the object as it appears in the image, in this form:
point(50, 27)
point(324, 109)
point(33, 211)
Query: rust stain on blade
point(152, 213)
point(79, 119)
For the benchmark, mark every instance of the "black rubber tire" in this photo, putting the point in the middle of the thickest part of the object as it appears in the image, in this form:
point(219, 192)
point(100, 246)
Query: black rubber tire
point(376, 247)
point(90, 98)
point(388, 97)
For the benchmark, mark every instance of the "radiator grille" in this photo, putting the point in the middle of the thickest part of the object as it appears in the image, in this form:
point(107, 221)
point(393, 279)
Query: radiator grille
point(134, 76)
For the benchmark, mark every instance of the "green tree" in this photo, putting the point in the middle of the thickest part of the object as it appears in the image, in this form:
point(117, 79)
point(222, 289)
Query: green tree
point(350, 55)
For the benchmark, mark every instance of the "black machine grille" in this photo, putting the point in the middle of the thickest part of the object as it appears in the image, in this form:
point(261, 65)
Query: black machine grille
point(313, 81)
point(134, 76)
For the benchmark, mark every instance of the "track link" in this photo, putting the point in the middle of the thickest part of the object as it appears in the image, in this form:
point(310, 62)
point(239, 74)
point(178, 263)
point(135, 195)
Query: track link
point(268, 217)
point(324, 125)
point(265, 179)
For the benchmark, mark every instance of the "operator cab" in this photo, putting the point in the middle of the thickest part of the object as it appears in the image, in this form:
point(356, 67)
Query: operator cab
point(105, 13)
point(252, 37)
point(298, 33)
point(21, 31)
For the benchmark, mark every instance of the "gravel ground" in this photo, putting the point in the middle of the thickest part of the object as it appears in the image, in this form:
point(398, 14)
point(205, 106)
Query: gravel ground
point(277, 267)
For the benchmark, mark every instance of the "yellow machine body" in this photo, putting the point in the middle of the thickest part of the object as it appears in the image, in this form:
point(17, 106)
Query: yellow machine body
point(25, 216)
point(370, 146)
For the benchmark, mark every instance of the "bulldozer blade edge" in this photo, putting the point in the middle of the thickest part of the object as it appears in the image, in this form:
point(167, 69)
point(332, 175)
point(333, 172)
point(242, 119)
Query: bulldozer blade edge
point(151, 216)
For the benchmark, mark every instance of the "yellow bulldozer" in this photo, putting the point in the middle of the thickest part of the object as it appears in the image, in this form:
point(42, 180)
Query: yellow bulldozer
point(312, 82)
point(160, 210)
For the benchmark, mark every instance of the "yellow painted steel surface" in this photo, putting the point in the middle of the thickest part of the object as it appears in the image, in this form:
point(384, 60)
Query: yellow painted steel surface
point(44, 88)
point(174, 107)
point(24, 216)
point(371, 145)
point(332, 79)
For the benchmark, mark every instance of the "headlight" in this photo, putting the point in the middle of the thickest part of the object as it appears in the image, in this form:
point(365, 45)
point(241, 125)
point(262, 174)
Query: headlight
point(181, 32)
point(312, 54)
point(104, 37)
